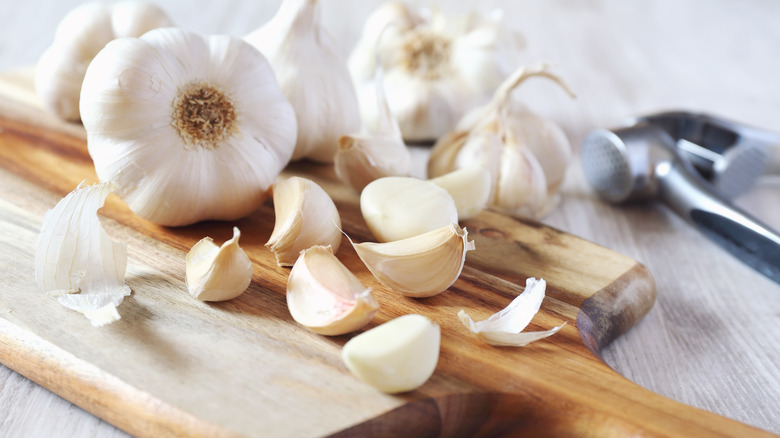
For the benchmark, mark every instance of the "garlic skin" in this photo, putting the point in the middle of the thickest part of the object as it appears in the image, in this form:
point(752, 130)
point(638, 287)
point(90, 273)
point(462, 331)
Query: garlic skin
point(218, 273)
point(325, 297)
point(81, 34)
point(525, 177)
point(313, 76)
point(437, 67)
point(469, 188)
point(419, 266)
point(190, 127)
point(396, 207)
point(305, 216)
point(75, 259)
point(397, 356)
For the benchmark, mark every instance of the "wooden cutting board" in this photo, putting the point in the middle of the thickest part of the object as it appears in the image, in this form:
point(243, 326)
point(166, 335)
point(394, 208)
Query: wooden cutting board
point(175, 366)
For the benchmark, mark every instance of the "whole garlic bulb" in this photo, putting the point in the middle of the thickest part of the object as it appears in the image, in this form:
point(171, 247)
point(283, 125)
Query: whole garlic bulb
point(437, 67)
point(190, 127)
point(81, 34)
point(312, 74)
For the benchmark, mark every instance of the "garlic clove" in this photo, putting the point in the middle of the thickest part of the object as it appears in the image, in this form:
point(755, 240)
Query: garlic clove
point(362, 159)
point(305, 216)
point(325, 297)
point(396, 208)
point(521, 189)
point(419, 266)
point(469, 188)
point(218, 273)
point(397, 356)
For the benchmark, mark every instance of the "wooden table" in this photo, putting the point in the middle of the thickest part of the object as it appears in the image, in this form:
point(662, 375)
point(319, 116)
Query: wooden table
point(711, 340)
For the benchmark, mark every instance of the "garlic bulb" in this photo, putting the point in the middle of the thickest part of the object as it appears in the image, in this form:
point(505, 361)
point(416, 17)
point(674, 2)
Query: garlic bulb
point(397, 356)
point(190, 127)
point(419, 266)
point(305, 216)
point(77, 261)
point(469, 188)
point(397, 207)
point(312, 74)
point(79, 37)
point(218, 273)
point(498, 136)
point(504, 327)
point(437, 67)
point(323, 296)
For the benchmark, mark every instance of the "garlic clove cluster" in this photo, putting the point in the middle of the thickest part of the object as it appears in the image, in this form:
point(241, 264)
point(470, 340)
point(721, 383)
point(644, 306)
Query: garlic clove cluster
point(469, 188)
point(218, 273)
point(81, 34)
point(190, 127)
point(397, 356)
point(420, 266)
point(325, 297)
point(305, 216)
point(313, 76)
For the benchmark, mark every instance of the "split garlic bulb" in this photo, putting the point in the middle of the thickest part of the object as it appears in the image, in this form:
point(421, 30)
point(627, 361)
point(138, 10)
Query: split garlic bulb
point(526, 155)
point(437, 67)
point(190, 127)
point(218, 273)
point(312, 74)
point(81, 34)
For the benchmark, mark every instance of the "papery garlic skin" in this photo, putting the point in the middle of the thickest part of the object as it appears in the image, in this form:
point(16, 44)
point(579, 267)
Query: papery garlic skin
point(81, 34)
point(190, 127)
point(77, 261)
point(305, 216)
point(313, 76)
point(218, 273)
point(420, 266)
point(469, 188)
point(397, 356)
point(325, 297)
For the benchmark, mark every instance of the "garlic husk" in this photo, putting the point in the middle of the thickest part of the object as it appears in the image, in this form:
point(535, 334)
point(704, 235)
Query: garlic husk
point(218, 273)
point(325, 297)
point(305, 216)
point(396, 207)
point(469, 188)
point(81, 34)
point(419, 266)
point(397, 356)
point(75, 259)
point(313, 76)
point(505, 328)
point(191, 127)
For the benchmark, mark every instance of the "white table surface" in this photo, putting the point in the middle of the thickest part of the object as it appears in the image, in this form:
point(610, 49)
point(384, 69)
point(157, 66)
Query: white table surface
point(711, 340)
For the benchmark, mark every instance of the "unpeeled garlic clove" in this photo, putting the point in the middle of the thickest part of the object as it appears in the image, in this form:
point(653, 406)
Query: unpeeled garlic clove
point(396, 208)
point(397, 356)
point(469, 188)
point(325, 297)
point(218, 273)
point(305, 216)
point(419, 266)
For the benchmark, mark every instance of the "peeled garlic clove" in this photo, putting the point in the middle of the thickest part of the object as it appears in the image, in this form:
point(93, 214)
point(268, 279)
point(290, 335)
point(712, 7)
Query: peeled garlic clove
point(469, 188)
point(323, 296)
point(77, 261)
point(395, 207)
point(305, 216)
point(419, 266)
point(397, 356)
point(218, 273)
point(504, 327)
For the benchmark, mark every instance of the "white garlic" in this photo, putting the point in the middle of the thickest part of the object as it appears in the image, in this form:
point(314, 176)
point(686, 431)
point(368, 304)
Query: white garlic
point(312, 74)
point(437, 67)
point(419, 266)
point(190, 127)
point(397, 356)
point(505, 327)
point(397, 207)
point(469, 188)
point(77, 261)
point(80, 35)
point(499, 136)
point(218, 273)
point(305, 216)
point(325, 297)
